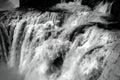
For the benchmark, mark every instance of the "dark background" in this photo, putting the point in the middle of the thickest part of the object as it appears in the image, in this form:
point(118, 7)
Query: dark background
point(41, 3)
point(11, 4)
point(48, 3)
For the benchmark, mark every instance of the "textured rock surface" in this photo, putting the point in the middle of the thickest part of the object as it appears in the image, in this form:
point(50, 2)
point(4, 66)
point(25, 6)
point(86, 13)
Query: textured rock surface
point(76, 44)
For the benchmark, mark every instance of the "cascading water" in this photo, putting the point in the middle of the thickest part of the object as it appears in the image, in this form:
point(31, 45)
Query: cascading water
point(59, 45)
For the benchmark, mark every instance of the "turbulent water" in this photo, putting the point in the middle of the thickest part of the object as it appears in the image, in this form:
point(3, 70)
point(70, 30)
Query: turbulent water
point(73, 44)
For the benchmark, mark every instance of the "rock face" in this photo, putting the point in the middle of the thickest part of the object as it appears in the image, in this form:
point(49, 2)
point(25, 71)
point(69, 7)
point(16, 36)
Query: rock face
point(76, 44)
point(8, 4)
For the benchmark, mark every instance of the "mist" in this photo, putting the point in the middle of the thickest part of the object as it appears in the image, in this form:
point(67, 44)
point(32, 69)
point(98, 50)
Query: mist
point(9, 74)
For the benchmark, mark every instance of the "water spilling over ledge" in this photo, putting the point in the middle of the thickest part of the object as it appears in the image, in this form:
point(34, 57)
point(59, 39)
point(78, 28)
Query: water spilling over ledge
point(75, 43)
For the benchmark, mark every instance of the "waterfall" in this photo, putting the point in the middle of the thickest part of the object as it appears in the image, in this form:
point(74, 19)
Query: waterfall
point(57, 45)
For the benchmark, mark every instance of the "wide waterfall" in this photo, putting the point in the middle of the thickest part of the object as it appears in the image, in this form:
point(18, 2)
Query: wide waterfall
point(68, 42)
